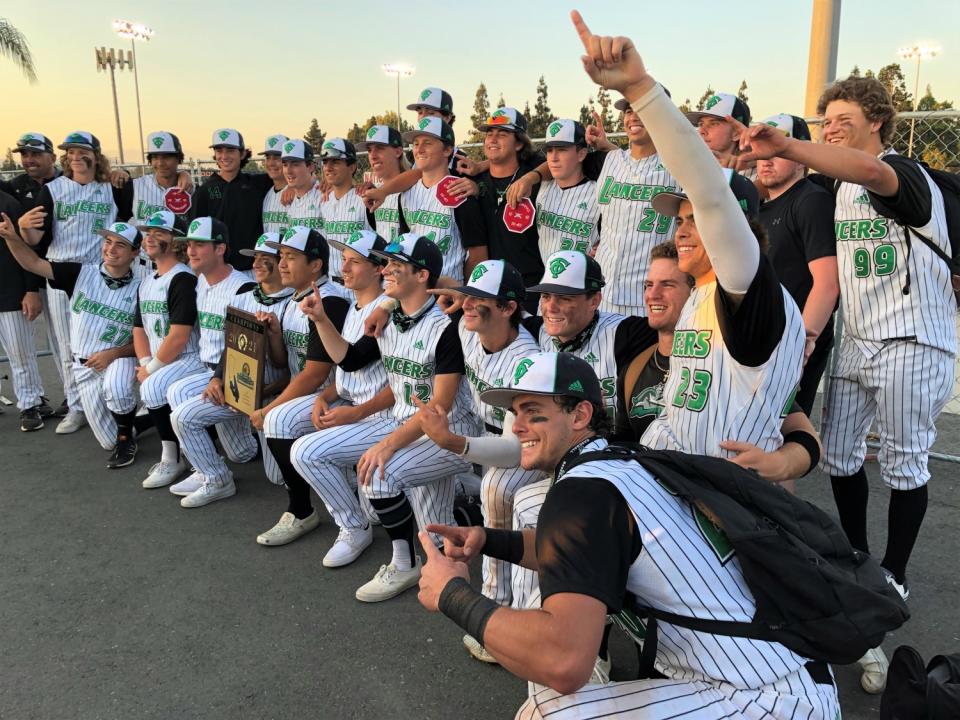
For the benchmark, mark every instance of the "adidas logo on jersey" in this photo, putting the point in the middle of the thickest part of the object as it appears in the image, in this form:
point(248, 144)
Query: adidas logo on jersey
point(582, 206)
point(862, 199)
point(418, 345)
point(591, 358)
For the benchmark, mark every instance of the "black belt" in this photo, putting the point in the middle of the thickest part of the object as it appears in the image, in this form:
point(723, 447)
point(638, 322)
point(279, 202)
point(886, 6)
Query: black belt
point(493, 429)
point(820, 672)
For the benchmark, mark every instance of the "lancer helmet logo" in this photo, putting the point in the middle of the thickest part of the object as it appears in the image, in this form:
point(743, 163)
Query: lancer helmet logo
point(157, 142)
point(194, 226)
point(555, 128)
point(273, 141)
point(423, 123)
point(478, 272)
point(289, 233)
point(121, 227)
point(713, 101)
point(372, 133)
point(557, 266)
point(223, 134)
point(288, 147)
point(522, 367)
point(329, 145)
point(425, 94)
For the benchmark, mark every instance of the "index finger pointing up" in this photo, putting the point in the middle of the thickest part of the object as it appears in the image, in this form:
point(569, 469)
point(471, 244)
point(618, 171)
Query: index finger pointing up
point(582, 30)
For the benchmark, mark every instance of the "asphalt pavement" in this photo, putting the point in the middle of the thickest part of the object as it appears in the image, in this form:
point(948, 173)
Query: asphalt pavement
point(115, 602)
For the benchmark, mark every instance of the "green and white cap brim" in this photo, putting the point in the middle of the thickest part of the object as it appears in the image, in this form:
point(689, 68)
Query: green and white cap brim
point(569, 272)
point(273, 145)
point(719, 105)
point(549, 374)
point(267, 243)
point(161, 220)
point(122, 231)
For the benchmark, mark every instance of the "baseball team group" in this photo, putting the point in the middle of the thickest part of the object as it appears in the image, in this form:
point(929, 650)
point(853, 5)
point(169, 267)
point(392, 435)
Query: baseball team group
point(445, 341)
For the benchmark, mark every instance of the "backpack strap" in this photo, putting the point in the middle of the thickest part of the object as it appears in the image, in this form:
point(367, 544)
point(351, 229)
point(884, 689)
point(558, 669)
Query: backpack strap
point(633, 372)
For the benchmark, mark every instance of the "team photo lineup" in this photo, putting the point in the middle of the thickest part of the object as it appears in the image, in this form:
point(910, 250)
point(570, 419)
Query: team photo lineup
point(572, 385)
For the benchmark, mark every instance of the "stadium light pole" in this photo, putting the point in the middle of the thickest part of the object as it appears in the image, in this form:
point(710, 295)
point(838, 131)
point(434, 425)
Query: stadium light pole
point(109, 60)
point(918, 52)
point(134, 31)
point(400, 70)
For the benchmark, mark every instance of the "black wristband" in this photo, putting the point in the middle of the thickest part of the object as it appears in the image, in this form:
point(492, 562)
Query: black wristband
point(503, 545)
point(809, 443)
point(466, 607)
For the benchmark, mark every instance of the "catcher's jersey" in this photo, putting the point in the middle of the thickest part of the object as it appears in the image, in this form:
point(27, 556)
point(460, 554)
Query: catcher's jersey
point(212, 301)
point(154, 309)
point(79, 211)
point(485, 370)
point(567, 217)
point(274, 214)
point(341, 218)
point(874, 259)
point(361, 385)
point(425, 215)
point(101, 317)
point(630, 226)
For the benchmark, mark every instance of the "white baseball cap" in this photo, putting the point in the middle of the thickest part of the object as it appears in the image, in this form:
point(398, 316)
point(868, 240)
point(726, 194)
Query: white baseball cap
point(505, 118)
point(207, 229)
point(561, 133)
point(163, 143)
point(494, 280)
point(434, 127)
point(569, 272)
point(123, 231)
point(434, 98)
point(381, 135)
point(363, 242)
point(548, 373)
point(297, 150)
point(790, 125)
point(720, 105)
point(266, 243)
point(273, 144)
point(305, 240)
point(161, 220)
point(227, 137)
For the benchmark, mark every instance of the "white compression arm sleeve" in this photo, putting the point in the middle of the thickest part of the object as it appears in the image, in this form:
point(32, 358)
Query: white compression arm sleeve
point(730, 244)
point(496, 451)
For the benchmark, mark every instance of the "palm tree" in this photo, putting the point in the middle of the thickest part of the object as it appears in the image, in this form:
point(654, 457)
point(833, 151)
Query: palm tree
point(14, 45)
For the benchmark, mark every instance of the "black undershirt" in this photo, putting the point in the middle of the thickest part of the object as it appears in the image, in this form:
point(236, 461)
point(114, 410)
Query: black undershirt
point(753, 329)
point(181, 301)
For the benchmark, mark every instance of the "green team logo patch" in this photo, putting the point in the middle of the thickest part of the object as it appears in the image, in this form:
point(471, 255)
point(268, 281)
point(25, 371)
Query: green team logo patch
point(157, 142)
point(223, 134)
point(372, 133)
point(576, 385)
point(425, 94)
point(499, 113)
point(289, 233)
point(478, 272)
point(329, 145)
point(522, 367)
point(554, 129)
point(272, 142)
point(288, 147)
point(121, 227)
point(194, 226)
point(354, 238)
point(713, 101)
point(423, 123)
point(558, 266)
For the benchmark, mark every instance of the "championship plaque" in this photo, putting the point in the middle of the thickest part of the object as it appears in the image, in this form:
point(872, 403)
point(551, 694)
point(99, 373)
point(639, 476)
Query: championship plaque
point(246, 353)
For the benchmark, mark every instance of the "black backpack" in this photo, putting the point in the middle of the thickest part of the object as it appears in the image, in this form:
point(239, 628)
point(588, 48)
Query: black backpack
point(814, 592)
point(949, 185)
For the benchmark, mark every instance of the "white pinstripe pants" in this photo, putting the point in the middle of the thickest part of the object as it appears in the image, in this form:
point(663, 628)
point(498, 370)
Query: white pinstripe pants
point(153, 390)
point(103, 394)
point(56, 309)
point(192, 416)
point(16, 337)
point(904, 386)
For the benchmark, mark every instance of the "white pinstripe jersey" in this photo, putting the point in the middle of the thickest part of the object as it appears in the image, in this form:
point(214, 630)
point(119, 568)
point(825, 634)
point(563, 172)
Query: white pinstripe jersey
point(410, 361)
point(305, 211)
point(598, 351)
point(387, 217)
point(101, 318)
point(425, 215)
point(342, 218)
point(688, 567)
point(247, 301)
point(361, 385)
point(147, 198)
point(485, 370)
point(212, 301)
point(873, 258)
point(154, 311)
point(296, 325)
point(78, 212)
point(709, 397)
point(274, 214)
point(630, 226)
point(567, 218)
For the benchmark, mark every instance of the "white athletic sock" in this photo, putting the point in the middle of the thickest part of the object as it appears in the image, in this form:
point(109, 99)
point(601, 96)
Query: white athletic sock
point(169, 454)
point(401, 555)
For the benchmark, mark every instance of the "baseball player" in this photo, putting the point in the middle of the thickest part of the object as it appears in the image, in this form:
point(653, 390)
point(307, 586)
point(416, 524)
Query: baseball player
point(148, 193)
point(102, 304)
point(343, 212)
point(721, 135)
point(19, 305)
point(299, 171)
point(64, 225)
point(274, 213)
point(165, 336)
point(627, 181)
point(493, 342)
point(899, 311)
point(306, 406)
point(609, 530)
point(798, 218)
point(233, 196)
point(384, 148)
point(193, 413)
point(421, 353)
point(460, 232)
point(568, 217)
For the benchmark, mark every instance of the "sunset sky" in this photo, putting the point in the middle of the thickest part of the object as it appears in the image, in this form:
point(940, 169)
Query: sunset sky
point(271, 67)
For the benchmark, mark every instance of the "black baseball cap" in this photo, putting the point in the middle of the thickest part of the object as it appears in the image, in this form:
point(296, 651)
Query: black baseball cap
point(363, 242)
point(304, 240)
point(34, 142)
point(416, 250)
point(548, 373)
point(622, 105)
point(81, 139)
point(570, 272)
point(494, 280)
point(668, 203)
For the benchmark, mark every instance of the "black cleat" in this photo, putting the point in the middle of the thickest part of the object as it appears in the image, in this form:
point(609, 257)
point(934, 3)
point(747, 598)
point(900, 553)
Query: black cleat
point(30, 419)
point(62, 411)
point(123, 454)
point(44, 408)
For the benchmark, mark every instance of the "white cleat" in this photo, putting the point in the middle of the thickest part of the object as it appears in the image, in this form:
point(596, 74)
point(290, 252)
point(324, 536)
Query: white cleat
point(210, 491)
point(388, 583)
point(189, 484)
point(73, 421)
point(875, 666)
point(164, 473)
point(349, 546)
point(289, 528)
